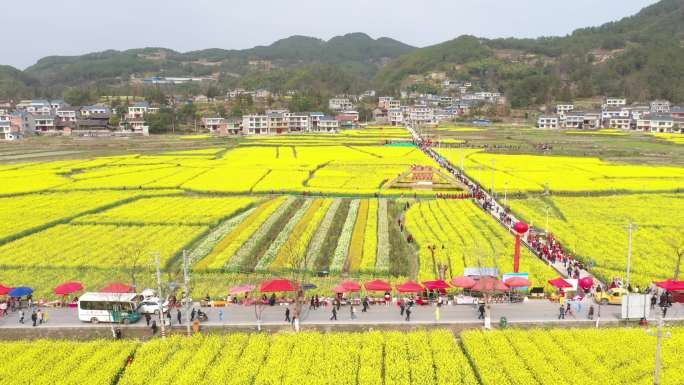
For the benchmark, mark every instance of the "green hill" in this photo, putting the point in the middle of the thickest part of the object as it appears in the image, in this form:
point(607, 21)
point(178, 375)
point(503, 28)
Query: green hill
point(640, 56)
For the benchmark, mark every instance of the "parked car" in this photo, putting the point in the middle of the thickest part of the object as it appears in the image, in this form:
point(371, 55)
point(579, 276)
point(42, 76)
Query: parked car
point(612, 296)
point(152, 305)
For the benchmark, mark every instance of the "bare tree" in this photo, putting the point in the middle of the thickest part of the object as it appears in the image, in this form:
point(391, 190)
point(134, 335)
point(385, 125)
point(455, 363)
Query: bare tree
point(132, 259)
point(677, 244)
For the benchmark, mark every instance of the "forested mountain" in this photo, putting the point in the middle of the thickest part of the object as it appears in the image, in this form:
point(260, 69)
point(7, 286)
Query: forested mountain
point(641, 57)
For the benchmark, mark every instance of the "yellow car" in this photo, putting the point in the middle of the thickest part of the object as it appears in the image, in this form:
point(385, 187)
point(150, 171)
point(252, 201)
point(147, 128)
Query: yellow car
point(612, 296)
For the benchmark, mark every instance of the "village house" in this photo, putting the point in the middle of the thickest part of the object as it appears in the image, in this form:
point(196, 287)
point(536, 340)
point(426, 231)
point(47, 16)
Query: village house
point(660, 106)
point(213, 124)
point(340, 104)
point(548, 121)
point(255, 124)
point(420, 115)
point(395, 117)
point(315, 119)
point(137, 110)
point(677, 112)
point(563, 108)
point(614, 102)
point(327, 124)
point(297, 122)
point(621, 123)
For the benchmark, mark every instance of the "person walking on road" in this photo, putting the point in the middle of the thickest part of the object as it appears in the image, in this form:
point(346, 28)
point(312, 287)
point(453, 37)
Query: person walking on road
point(402, 307)
point(334, 314)
point(39, 314)
point(352, 312)
point(21, 316)
point(481, 310)
point(154, 327)
point(287, 314)
point(365, 305)
point(561, 312)
point(147, 319)
point(34, 317)
point(590, 314)
point(654, 300)
point(179, 317)
point(408, 312)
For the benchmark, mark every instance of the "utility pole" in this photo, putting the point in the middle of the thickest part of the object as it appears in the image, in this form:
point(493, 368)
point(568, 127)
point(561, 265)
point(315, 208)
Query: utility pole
point(491, 188)
point(161, 298)
point(629, 264)
point(186, 292)
point(546, 210)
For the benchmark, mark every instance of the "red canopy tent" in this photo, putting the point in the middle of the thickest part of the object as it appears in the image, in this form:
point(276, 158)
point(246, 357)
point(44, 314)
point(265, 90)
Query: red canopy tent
point(277, 285)
point(671, 285)
point(4, 290)
point(464, 282)
point(351, 286)
point(517, 282)
point(116, 288)
point(378, 285)
point(339, 289)
point(68, 288)
point(489, 284)
point(436, 285)
point(560, 283)
point(242, 289)
point(410, 287)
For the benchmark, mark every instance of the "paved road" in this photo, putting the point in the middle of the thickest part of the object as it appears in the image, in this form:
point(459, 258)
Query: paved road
point(534, 311)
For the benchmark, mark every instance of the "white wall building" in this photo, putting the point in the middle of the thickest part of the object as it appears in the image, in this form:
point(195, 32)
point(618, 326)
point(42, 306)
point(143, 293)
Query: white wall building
point(548, 121)
point(255, 124)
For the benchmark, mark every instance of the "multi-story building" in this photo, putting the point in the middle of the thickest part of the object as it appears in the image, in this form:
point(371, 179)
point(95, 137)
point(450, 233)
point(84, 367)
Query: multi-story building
point(621, 123)
point(660, 106)
point(213, 124)
point(421, 115)
point(548, 121)
point(45, 124)
point(94, 110)
point(395, 117)
point(68, 114)
point(297, 122)
point(573, 119)
point(615, 102)
point(137, 110)
point(327, 124)
point(340, 104)
point(677, 112)
point(563, 108)
point(277, 124)
point(614, 112)
point(315, 119)
point(255, 124)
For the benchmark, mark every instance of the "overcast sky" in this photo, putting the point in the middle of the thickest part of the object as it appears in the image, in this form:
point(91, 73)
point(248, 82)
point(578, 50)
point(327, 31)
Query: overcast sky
point(38, 28)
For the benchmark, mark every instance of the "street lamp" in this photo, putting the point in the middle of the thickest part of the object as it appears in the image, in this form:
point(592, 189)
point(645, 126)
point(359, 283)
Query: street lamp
point(659, 346)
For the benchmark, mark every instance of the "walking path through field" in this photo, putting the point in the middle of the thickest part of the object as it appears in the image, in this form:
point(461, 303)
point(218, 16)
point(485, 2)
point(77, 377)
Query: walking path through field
point(490, 205)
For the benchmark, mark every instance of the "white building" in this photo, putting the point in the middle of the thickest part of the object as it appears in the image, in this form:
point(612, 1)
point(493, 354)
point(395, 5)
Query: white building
point(327, 124)
point(314, 120)
point(615, 102)
point(620, 123)
point(395, 117)
point(421, 115)
point(297, 122)
point(68, 114)
point(563, 108)
point(548, 121)
point(660, 106)
point(213, 124)
point(137, 110)
point(255, 124)
point(340, 104)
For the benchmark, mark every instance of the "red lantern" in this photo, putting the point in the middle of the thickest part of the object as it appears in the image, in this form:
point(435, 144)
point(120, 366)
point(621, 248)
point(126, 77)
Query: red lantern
point(520, 228)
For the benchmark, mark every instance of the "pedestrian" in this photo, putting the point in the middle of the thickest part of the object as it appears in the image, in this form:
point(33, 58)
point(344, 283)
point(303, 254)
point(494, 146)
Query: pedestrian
point(117, 333)
point(402, 307)
point(567, 308)
point(287, 314)
point(21, 316)
point(45, 316)
point(147, 319)
point(334, 314)
point(312, 303)
point(168, 317)
point(34, 317)
point(317, 302)
point(590, 314)
point(387, 298)
point(654, 300)
point(220, 313)
point(154, 327)
point(192, 314)
point(561, 313)
point(365, 305)
point(578, 307)
point(179, 317)
point(481, 310)
point(352, 312)
point(39, 314)
point(408, 313)
point(3, 308)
